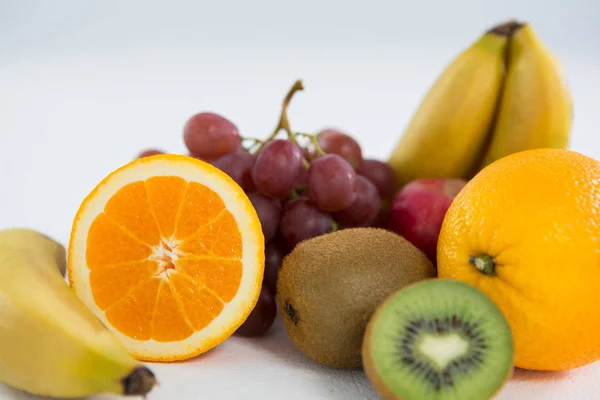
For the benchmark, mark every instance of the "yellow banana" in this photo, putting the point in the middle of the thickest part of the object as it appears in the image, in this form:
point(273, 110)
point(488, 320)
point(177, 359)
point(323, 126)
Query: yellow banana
point(536, 106)
point(50, 343)
point(20, 238)
point(448, 133)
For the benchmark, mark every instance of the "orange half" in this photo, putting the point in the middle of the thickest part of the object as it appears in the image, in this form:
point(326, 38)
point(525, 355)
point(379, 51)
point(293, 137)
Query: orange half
point(168, 252)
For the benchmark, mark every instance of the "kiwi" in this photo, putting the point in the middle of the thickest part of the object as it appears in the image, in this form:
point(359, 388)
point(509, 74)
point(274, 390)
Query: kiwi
point(435, 340)
point(329, 286)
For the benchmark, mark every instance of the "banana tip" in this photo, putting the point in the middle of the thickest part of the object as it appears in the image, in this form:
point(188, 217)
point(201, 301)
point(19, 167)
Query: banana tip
point(139, 382)
point(507, 28)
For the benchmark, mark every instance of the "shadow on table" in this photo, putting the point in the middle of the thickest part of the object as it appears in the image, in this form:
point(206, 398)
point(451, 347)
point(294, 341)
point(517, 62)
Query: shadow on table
point(520, 374)
point(278, 344)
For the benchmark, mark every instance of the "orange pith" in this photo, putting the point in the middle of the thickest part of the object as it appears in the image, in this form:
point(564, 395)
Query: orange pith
point(164, 255)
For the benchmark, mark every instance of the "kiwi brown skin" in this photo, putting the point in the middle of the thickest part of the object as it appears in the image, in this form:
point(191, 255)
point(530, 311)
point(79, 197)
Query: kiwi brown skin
point(379, 384)
point(330, 286)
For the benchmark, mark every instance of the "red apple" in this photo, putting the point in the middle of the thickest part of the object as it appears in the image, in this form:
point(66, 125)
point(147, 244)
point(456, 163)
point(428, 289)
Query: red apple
point(418, 210)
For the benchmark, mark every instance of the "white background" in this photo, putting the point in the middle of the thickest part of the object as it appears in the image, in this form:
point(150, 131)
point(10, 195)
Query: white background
point(85, 85)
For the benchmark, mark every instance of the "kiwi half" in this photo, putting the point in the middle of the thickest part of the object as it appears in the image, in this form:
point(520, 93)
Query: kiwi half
point(438, 339)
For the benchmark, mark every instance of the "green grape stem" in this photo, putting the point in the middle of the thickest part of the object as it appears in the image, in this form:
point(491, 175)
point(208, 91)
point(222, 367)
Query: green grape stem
point(284, 123)
point(254, 143)
point(300, 188)
point(315, 142)
point(334, 226)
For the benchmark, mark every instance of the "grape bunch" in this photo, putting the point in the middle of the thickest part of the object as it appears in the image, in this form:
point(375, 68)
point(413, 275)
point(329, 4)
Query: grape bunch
point(301, 186)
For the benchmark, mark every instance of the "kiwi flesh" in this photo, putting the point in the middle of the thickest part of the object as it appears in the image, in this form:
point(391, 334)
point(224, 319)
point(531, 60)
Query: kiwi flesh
point(439, 339)
point(329, 286)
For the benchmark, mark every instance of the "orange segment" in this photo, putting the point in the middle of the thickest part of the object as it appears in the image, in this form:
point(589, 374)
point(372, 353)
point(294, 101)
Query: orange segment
point(108, 244)
point(199, 304)
point(168, 252)
point(200, 206)
point(221, 276)
point(219, 238)
point(132, 316)
point(165, 195)
point(169, 323)
point(129, 208)
point(112, 283)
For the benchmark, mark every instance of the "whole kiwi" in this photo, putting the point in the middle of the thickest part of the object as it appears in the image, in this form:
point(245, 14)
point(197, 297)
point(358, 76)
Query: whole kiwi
point(329, 287)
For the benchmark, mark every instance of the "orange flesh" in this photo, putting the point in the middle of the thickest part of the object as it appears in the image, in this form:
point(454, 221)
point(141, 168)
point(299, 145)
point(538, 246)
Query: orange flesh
point(164, 258)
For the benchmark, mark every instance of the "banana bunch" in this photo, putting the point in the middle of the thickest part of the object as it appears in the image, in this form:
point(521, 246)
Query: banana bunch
point(505, 93)
point(50, 343)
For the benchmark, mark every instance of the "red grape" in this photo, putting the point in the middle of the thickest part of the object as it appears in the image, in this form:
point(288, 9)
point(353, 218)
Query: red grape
point(302, 179)
point(199, 158)
point(383, 219)
point(150, 152)
point(209, 136)
point(365, 207)
point(381, 175)
point(262, 316)
point(335, 142)
point(331, 183)
point(269, 213)
point(275, 251)
point(238, 165)
point(302, 220)
point(277, 168)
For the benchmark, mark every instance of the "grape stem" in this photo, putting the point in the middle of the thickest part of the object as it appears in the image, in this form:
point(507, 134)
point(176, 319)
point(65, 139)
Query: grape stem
point(334, 226)
point(284, 123)
point(314, 141)
point(254, 140)
point(300, 188)
point(252, 145)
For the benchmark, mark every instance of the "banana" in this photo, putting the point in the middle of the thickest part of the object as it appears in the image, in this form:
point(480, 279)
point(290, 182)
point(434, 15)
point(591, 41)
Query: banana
point(449, 131)
point(50, 343)
point(536, 106)
point(20, 239)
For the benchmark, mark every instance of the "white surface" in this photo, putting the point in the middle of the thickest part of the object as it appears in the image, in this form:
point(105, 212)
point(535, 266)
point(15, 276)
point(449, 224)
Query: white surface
point(85, 85)
point(271, 368)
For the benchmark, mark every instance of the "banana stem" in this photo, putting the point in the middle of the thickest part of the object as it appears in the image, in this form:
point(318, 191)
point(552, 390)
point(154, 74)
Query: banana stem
point(507, 28)
point(139, 382)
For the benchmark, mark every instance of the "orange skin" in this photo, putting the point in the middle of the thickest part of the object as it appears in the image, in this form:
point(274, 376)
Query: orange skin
point(536, 214)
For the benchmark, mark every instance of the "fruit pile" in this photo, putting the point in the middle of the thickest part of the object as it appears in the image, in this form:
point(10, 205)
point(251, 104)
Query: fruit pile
point(515, 284)
point(416, 336)
point(301, 186)
point(499, 213)
point(488, 259)
point(502, 95)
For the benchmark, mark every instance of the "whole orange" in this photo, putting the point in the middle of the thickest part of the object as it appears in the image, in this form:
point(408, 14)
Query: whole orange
point(526, 231)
